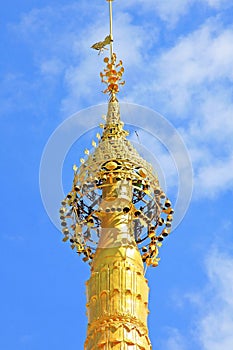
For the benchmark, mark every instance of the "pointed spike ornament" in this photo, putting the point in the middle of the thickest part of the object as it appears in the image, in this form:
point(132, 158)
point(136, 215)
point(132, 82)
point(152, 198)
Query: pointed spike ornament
point(93, 143)
point(75, 168)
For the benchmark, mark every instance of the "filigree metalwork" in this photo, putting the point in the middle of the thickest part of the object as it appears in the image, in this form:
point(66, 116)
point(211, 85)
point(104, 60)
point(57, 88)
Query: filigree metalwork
point(109, 168)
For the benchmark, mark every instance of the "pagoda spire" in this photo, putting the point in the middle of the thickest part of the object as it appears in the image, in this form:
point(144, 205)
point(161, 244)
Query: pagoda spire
point(116, 216)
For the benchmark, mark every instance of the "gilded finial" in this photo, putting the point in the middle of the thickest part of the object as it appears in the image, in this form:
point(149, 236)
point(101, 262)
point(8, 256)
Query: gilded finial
point(113, 72)
point(112, 76)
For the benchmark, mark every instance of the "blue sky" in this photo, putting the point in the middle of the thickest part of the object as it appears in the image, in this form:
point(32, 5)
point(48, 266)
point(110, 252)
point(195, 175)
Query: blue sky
point(178, 57)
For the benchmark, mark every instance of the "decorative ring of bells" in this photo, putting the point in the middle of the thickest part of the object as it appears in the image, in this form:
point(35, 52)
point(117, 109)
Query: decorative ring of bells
point(152, 211)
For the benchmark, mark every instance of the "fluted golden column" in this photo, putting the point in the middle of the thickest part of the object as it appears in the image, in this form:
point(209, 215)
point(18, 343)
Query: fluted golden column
point(117, 292)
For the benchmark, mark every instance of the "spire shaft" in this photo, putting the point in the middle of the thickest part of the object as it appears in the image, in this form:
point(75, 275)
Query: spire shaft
point(117, 291)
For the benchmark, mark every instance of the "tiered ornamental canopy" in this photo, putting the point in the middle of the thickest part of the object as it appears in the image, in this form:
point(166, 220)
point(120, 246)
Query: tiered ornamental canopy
point(112, 163)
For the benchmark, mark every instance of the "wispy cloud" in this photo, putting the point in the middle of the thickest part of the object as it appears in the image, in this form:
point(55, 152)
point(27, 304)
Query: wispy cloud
point(190, 81)
point(194, 82)
point(195, 63)
point(214, 326)
point(168, 11)
point(174, 340)
point(218, 4)
point(211, 307)
point(171, 11)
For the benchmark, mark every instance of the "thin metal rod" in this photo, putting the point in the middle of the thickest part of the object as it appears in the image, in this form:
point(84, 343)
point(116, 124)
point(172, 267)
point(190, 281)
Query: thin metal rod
point(111, 35)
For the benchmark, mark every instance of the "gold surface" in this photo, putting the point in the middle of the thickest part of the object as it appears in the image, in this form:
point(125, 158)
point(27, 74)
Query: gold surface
point(117, 301)
point(112, 76)
point(117, 291)
point(114, 178)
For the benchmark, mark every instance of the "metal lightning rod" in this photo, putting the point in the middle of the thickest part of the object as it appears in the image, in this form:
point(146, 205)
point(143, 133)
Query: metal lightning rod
point(110, 23)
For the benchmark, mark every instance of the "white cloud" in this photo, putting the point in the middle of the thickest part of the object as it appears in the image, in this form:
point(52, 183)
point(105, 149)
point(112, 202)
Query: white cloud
point(218, 3)
point(194, 82)
point(51, 67)
point(213, 178)
point(217, 109)
point(209, 137)
point(191, 80)
point(169, 11)
point(211, 318)
point(215, 326)
point(174, 340)
point(202, 58)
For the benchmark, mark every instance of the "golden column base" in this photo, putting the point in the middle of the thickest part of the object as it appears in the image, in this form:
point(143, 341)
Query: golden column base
point(117, 301)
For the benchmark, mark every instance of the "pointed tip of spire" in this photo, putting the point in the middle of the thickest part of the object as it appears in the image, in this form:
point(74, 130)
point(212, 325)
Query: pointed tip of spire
point(113, 128)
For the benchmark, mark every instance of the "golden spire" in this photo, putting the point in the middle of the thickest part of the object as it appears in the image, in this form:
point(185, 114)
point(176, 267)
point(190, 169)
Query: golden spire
point(116, 216)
